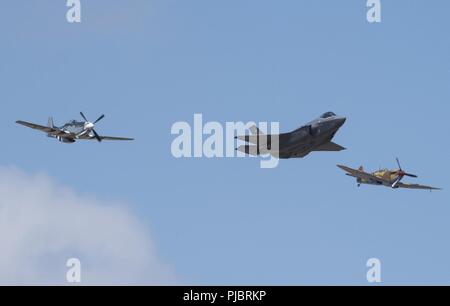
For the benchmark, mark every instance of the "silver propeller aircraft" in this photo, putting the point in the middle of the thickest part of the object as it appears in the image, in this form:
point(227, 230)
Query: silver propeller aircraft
point(72, 130)
point(384, 177)
point(314, 136)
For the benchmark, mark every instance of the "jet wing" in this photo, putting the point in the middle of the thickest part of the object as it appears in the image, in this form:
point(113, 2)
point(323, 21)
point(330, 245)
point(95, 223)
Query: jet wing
point(46, 129)
point(114, 138)
point(329, 146)
point(255, 139)
point(416, 186)
point(362, 175)
point(251, 150)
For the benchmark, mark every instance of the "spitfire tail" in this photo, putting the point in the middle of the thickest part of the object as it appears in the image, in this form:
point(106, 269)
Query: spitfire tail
point(359, 180)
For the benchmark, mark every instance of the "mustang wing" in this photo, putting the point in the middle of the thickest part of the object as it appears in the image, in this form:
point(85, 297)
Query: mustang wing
point(362, 175)
point(46, 129)
point(416, 186)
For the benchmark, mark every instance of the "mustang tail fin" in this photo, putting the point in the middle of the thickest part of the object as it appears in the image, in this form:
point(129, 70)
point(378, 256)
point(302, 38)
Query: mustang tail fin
point(50, 124)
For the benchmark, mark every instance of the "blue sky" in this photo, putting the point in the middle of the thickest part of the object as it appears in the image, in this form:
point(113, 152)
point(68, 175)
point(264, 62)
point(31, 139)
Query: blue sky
point(147, 64)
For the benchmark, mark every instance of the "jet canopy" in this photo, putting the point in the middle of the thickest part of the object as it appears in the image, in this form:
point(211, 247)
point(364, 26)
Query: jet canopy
point(328, 115)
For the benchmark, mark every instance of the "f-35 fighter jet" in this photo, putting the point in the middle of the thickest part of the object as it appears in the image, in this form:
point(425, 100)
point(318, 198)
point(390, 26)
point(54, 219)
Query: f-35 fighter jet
point(314, 136)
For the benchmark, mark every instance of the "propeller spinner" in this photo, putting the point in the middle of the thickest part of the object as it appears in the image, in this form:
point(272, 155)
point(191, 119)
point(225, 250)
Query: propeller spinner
point(91, 125)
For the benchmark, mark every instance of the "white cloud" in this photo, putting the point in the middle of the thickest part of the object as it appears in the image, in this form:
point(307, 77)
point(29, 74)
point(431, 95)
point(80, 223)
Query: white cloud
point(43, 224)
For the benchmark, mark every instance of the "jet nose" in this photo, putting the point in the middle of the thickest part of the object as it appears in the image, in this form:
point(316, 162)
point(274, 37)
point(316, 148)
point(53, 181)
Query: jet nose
point(341, 120)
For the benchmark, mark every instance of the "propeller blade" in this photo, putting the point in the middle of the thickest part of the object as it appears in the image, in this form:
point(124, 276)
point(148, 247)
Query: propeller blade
point(99, 118)
point(84, 117)
point(97, 136)
point(411, 175)
point(395, 185)
point(398, 163)
point(402, 172)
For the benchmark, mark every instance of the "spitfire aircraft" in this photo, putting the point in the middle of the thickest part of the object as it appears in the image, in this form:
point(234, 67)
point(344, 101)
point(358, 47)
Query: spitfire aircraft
point(314, 136)
point(385, 177)
point(72, 130)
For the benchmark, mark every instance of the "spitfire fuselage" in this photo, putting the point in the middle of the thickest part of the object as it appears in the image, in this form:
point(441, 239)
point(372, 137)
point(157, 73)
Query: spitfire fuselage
point(390, 176)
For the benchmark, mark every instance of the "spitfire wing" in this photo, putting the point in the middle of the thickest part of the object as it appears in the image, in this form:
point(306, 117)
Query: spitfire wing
point(416, 186)
point(362, 175)
point(114, 138)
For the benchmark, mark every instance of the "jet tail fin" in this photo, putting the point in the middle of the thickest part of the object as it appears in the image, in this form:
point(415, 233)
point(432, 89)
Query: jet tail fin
point(254, 129)
point(329, 146)
point(257, 137)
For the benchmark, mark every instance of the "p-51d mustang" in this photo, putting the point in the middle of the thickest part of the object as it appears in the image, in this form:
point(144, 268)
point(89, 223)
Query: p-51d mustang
point(389, 178)
point(72, 130)
point(313, 136)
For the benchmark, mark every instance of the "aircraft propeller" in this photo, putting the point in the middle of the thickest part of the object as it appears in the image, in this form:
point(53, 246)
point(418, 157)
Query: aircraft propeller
point(90, 126)
point(401, 173)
